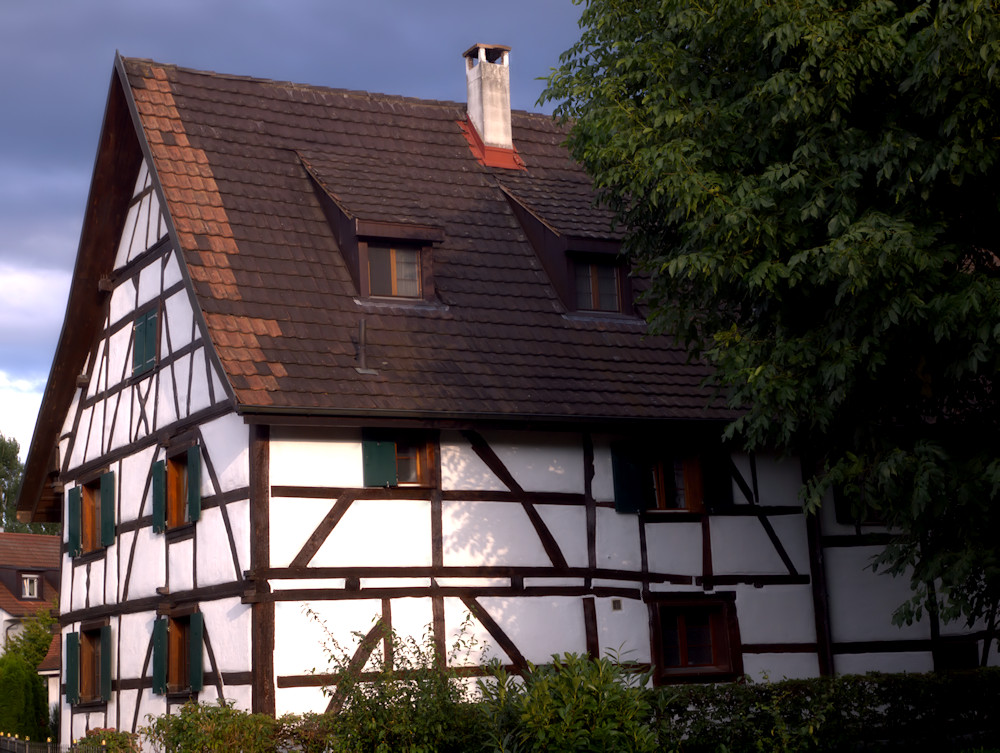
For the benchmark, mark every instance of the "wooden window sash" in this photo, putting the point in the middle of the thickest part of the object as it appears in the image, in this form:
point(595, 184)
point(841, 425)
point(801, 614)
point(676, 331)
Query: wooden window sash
point(396, 264)
point(90, 510)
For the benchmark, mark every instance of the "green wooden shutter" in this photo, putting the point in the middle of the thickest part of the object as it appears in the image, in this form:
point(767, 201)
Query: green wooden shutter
point(717, 480)
point(72, 661)
point(108, 508)
point(194, 483)
point(196, 632)
point(73, 521)
point(105, 663)
point(159, 496)
point(633, 478)
point(378, 458)
point(160, 656)
point(144, 342)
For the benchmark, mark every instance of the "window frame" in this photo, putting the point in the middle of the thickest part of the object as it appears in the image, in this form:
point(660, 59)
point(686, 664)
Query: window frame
point(35, 578)
point(648, 477)
point(88, 665)
point(91, 515)
point(726, 647)
point(381, 459)
point(177, 505)
point(178, 651)
point(394, 250)
point(593, 265)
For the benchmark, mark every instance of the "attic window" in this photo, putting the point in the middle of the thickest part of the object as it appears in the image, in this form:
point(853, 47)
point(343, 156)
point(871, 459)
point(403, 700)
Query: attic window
point(598, 286)
point(394, 271)
point(30, 588)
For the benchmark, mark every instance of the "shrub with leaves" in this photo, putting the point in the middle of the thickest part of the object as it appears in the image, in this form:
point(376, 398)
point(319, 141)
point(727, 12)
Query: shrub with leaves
point(207, 727)
point(110, 740)
point(409, 700)
point(24, 707)
point(574, 704)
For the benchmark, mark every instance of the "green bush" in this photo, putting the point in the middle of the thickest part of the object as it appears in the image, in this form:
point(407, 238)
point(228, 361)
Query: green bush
point(110, 740)
point(203, 727)
point(574, 704)
point(413, 703)
point(24, 707)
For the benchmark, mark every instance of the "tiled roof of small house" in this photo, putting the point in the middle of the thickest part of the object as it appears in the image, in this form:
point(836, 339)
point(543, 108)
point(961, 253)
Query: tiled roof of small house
point(242, 162)
point(29, 550)
point(24, 553)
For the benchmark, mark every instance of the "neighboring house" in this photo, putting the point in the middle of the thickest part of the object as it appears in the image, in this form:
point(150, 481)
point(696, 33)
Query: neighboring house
point(29, 582)
point(378, 358)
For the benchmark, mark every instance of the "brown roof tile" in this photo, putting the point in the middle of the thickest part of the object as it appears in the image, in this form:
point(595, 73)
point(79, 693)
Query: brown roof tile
point(236, 159)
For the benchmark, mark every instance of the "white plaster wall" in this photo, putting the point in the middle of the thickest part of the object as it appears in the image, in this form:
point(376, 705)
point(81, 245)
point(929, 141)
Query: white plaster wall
point(624, 632)
point(862, 602)
point(199, 396)
point(541, 462)
point(528, 622)
point(122, 410)
point(776, 614)
point(292, 522)
point(859, 664)
point(228, 625)
point(568, 525)
point(79, 590)
point(99, 378)
point(133, 481)
point(149, 283)
point(134, 633)
point(460, 625)
point(461, 467)
point(178, 316)
point(674, 548)
point(148, 569)
point(301, 641)
point(227, 442)
point(166, 408)
point(242, 696)
point(602, 486)
point(617, 540)
point(401, 527)
point(215, 562)
point(315, 459)
point(778, 479)
point(239, 521)
point(122, 301)
point(741, 545)
point(122, 255)
point(489, 533)
point(119, 353)
point(181, 560)
point(775, 667)
point(181, 381)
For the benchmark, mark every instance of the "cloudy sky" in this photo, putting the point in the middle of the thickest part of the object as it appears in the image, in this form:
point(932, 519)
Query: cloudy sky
point(56, 59)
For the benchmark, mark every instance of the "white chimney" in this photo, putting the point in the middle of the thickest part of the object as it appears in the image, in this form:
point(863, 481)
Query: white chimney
point(487, 76)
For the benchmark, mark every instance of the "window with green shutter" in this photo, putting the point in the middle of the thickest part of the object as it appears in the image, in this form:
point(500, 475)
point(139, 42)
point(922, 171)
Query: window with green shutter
point(178, 645)
point(176, 484)
point(144, 341)
point(396, 458)
point(90, 515)
point(72, 662)
point(678, 479)
point(88, 665)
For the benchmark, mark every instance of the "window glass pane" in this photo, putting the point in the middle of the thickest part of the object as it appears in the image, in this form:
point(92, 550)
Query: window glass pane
point(380, 270)
point(699, 639)
point(407, 272)
point(584, 291)
point(407, 468)
point(671, 640)
point(607, 287)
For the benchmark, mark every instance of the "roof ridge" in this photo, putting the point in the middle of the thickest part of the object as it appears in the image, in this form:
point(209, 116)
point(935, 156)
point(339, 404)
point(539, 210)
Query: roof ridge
point(360, 93)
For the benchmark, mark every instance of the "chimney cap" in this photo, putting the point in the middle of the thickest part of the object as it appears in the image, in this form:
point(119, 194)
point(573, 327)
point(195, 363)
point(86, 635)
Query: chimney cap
point(496, 49)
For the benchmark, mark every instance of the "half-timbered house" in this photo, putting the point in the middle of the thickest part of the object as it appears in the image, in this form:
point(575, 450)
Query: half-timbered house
point(335, 360)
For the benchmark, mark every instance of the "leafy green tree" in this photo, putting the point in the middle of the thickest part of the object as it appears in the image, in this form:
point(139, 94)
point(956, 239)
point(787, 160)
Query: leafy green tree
point(812, 188)
point(23, 698)
point(33, 639)
point(11, 469)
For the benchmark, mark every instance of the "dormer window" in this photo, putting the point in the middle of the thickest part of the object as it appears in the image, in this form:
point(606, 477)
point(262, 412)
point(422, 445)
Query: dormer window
point(30, 587)
point(394, 271)
point(597, 286)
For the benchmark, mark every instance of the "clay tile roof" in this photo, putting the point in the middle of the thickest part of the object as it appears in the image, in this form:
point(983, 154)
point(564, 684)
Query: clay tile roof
point(53, 658)
point(29, 550)
point(242, 164)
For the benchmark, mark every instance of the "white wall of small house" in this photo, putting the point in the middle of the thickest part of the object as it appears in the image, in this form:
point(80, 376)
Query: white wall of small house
point(115, 423)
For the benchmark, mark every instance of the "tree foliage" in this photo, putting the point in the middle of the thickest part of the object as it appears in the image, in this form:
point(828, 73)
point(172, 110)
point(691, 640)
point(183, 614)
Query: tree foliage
point(23, 698)
point(812, 188)
point(11, 469)
point(33, 638)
